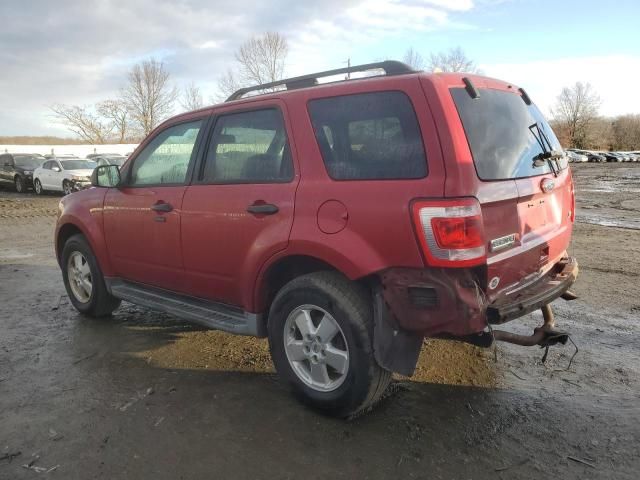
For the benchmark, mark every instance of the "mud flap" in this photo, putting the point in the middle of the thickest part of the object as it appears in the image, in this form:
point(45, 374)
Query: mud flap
point(394, 349)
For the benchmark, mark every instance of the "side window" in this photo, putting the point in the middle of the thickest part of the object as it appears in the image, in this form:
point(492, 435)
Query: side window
point(47, 165)
point(369, 136)
point(249, 147)
point(166, 158)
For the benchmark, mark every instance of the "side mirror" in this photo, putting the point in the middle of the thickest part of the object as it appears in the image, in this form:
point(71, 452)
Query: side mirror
point(106, 176)
point(55, 169)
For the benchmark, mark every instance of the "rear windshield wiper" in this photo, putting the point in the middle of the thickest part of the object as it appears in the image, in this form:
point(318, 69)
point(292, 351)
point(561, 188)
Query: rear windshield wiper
point(548, 155)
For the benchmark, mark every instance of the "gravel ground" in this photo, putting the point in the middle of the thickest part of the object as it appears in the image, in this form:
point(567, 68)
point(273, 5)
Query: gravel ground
point(144, 395)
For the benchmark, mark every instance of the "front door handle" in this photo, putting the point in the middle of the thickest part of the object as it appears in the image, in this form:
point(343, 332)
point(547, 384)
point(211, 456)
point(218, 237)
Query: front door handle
point(162, 207)
point(263, 209)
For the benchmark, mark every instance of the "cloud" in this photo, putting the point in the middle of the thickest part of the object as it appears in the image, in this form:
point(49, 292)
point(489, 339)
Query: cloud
point(79, 52)
point(544, 80)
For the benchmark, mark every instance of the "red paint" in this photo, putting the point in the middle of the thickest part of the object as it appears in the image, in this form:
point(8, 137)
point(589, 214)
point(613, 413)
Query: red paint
point(210, 246)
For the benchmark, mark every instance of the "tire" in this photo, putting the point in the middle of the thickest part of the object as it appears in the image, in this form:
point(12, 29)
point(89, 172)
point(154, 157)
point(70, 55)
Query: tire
point(21, 187)
point(95, 301)
point(328, 296)
point(37, 186)
point(67, 187)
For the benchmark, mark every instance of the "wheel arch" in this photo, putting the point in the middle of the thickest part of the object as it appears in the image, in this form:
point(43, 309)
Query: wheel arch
point(65, 232)
point(281, 271)
point(67, 229)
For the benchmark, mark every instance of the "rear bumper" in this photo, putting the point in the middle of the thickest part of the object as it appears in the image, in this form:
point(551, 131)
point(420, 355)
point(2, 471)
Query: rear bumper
point(451, 303)
point(553, 285)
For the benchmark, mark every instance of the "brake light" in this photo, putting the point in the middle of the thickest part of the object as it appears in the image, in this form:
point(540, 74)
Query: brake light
point(451, 232)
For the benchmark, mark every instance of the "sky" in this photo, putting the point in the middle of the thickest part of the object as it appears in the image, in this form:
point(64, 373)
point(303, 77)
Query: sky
point(79, 51)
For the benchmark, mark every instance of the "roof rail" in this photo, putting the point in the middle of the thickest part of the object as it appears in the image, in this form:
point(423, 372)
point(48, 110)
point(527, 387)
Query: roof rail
point(390, 67)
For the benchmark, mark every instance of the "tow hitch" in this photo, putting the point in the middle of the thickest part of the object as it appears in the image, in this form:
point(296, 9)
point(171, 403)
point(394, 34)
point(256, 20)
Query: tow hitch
point(545, 335)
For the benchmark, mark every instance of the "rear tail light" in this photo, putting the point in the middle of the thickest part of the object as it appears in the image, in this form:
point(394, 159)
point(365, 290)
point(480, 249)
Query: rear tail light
point(451, 232)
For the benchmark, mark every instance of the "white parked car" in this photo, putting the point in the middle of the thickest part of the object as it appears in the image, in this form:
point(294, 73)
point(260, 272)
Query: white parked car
point(575, 157)
point(65, 175)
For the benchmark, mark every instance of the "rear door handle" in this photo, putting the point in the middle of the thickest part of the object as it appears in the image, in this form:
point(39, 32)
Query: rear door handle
point(162, 207)
point(263, 209)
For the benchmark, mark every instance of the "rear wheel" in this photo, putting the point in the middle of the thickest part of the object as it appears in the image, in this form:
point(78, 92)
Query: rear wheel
point(19, 184)
point(320, 336)
point(84, 281)
point(38, 187)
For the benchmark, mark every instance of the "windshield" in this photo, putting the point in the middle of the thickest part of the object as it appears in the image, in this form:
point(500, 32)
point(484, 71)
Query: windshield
point(499, 129)
point(27, 162)
point(77, 164)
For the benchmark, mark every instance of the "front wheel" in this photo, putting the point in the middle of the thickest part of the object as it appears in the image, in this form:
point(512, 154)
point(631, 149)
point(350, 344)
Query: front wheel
point(38, 187)
point(84, 281)
point(320, 336)
point(67, 187)
point(19, 184)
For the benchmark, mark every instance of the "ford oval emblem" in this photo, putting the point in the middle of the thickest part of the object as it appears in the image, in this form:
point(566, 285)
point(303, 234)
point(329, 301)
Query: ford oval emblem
point(547, 185)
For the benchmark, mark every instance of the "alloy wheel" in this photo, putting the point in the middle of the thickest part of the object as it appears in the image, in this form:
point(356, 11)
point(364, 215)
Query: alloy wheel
point(316, 348)
point(79, 276)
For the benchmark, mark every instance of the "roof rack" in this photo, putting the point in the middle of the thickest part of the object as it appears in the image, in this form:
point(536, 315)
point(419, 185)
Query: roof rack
point(390, 67)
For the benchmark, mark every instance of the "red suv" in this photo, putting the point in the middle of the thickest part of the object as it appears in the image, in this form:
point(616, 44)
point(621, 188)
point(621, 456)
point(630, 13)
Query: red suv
point(344, 220)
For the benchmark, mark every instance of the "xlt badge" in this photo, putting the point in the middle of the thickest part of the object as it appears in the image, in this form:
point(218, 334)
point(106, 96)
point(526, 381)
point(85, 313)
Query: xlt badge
point(503, 242)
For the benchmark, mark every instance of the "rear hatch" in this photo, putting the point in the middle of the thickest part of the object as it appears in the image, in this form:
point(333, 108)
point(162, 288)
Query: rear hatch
point(526, 200)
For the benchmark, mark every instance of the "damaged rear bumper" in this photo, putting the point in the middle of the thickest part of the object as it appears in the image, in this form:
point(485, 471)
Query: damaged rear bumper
point(450, 303)
point(551, 286)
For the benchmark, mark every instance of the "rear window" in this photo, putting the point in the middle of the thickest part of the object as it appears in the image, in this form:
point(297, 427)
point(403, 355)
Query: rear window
point(501, 130)
point(371, 136)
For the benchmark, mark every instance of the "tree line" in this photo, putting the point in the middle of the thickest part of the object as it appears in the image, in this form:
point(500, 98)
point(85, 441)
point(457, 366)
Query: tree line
point(148, 97)
point(578, 124)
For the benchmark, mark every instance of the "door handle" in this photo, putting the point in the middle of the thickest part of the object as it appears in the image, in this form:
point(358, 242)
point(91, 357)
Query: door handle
point(162, 207)
point(263, 209)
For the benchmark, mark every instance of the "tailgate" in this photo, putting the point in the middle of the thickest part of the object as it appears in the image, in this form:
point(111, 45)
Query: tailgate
point(527, 233)
point(527, 206)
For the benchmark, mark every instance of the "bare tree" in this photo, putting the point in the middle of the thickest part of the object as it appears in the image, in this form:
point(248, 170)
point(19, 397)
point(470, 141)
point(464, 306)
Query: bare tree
point(576, 110)
point(453, 60)
point(149, 95)
point(116, 112)
point(413, 59)
point(259, 60)
point(626, 132)
point(83, 122)
point(601, 134)
point(191, 98)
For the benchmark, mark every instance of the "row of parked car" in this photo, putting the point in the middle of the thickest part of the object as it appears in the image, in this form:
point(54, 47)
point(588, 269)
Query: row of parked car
point(578, 156)
point(62, 173)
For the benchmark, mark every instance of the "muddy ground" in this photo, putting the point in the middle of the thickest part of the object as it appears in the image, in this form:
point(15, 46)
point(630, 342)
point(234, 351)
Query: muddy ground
point(144, 395)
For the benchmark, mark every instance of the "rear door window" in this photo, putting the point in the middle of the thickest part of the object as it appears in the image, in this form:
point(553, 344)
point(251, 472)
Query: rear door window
point(370, 136)
point(501, 130)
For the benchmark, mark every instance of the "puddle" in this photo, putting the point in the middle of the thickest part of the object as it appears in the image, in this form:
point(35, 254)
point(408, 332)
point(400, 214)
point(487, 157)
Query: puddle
point(593, 219)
